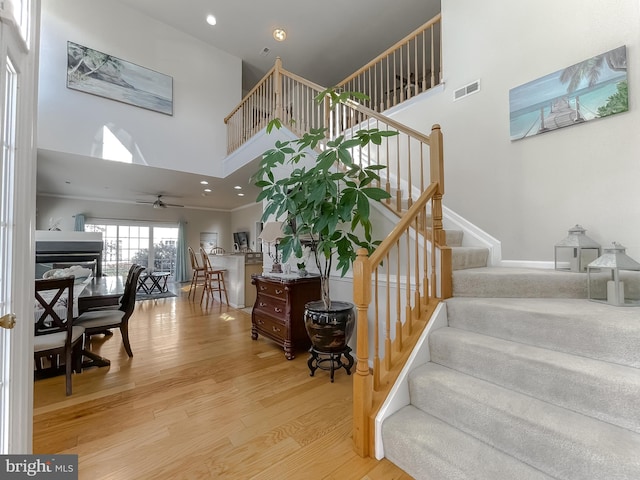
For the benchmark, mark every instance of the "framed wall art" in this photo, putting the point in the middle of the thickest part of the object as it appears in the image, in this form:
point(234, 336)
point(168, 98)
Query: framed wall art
point(594, 88)
point(101, 74)
point(208, 240)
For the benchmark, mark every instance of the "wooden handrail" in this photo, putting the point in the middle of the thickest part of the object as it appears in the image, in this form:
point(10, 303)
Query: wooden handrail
point(405, 222)
point(401, 127)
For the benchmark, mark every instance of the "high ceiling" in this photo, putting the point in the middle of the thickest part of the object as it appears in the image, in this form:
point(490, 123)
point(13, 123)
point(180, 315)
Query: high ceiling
point(325, 43)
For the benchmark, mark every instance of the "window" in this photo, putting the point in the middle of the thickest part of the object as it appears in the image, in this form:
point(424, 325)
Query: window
point(153, 246)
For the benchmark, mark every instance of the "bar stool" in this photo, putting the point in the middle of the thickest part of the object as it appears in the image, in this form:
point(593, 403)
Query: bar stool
point(199, 273)
point(214, 280)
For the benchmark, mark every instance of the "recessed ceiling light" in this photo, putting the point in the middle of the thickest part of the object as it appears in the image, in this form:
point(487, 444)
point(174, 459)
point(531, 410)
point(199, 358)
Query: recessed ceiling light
point(207, 190)
point(241, 194)
point(238, 187)
point(211, 20)
point(279, 34)
point(204, 182)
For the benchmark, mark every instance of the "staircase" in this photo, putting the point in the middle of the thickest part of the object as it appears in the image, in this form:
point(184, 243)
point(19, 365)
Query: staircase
point(538, 384)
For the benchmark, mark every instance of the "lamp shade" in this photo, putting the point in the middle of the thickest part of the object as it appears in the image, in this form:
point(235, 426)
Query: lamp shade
point(271, 232)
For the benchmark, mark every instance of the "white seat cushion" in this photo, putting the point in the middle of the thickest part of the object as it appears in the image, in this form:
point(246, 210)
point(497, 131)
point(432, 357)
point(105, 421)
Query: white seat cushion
point(50, 341)
point(100, 318)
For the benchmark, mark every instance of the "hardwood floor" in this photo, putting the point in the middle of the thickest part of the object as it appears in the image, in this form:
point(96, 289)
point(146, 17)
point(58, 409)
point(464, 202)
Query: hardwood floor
point(201, 400)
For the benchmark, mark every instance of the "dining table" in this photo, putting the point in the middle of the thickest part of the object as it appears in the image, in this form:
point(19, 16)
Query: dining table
point(100, 292)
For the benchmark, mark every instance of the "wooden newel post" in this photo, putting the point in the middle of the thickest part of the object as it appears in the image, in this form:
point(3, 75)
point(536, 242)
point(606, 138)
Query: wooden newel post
point(439, 235)
point(362, 381)
point(277, 88)
point(437, 175)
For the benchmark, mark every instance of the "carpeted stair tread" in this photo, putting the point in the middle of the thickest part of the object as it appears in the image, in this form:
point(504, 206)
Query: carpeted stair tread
point(574, 326)
point(428, 448)
point(561, 443)
point(500, 282)
point(598, 389)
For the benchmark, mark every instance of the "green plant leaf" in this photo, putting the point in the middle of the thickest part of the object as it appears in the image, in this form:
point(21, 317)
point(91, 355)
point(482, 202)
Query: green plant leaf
point(375, 193)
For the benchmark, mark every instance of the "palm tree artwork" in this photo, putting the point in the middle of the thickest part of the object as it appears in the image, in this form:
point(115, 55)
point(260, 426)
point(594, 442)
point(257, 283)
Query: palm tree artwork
point(108, 76)
point(594, 88)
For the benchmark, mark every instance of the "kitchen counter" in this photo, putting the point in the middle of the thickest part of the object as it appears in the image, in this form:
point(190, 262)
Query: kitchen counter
point(239, 268)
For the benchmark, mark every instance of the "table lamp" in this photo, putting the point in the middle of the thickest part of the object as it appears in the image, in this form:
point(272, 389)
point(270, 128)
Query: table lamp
point(271, 233)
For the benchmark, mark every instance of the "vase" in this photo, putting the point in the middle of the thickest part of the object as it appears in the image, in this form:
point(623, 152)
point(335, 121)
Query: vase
point(329, 330)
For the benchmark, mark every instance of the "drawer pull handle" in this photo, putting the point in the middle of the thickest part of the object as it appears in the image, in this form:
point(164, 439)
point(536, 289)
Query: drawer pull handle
point(260, 322)
point(262, 304)
point(276, 329)
point(278, 291)
point(262, 287)
point(277, 310)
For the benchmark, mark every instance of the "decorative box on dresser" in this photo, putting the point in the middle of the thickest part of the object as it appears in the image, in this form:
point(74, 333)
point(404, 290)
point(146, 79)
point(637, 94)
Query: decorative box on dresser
point(279, 309)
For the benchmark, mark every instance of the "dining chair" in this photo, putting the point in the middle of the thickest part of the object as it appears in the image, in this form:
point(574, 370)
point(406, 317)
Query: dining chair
point(217, 251)
point(98, 321)
point(199, 273)
point(214, 280)
point(122, 299)
point(55, 332)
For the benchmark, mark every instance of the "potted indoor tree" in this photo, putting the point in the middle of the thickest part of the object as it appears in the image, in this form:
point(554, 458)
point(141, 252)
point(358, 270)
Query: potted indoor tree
point(323, 202)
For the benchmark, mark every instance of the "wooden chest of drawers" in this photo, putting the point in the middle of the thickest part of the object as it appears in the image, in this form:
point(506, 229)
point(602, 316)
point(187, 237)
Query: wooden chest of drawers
point(279, 308)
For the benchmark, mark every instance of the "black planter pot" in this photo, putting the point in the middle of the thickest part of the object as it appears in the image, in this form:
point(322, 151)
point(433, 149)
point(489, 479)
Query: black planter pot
point(329, 330)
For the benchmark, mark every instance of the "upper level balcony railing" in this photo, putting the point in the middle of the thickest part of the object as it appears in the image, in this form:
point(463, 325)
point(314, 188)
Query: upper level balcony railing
point(410, 67)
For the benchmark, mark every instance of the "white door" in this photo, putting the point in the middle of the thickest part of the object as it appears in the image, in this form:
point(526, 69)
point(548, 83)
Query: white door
point(18, 56)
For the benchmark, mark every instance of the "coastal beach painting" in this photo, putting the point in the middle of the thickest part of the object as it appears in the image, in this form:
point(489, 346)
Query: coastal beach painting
point(594, 88)
point(208, 240)
point(98, 73)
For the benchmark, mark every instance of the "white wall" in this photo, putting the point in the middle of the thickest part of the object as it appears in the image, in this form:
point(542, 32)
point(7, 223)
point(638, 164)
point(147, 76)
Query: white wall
point(529, 192)
point(206, 87)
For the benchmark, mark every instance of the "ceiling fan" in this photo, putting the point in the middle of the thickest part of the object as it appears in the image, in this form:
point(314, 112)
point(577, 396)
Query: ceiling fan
point(158, 203)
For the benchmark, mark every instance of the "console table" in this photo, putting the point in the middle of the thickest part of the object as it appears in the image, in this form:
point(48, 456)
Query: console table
point(279, 309)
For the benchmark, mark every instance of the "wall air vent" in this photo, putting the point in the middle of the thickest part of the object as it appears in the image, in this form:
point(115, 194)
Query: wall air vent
point(265, 51)
point(473, 87)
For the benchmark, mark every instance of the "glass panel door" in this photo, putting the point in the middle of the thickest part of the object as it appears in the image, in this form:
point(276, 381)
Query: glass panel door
point(7, 183)
point(164, 250)
point(153, 247)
